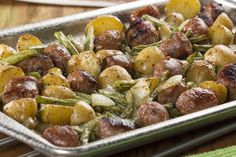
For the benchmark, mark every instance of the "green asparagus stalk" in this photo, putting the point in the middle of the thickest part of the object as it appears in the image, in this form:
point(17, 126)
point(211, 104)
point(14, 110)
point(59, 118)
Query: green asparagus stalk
point(50, 100)
point(198, 39)
point(79, 46)
point(130, 107)
point(139, 48)
point(89, 39)
point(84, 96)
point(60, 36)
point(19, 57)
point(38, 47)
point(124, 85)
point(201, 48)
point(158, 23)
point(196, 56)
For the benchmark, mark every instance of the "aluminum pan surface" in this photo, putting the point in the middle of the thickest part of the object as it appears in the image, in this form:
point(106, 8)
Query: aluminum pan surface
point(75, 25)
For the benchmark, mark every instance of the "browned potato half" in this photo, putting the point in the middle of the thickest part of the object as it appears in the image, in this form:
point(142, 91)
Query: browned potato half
point(27, 40)
point(6, 51)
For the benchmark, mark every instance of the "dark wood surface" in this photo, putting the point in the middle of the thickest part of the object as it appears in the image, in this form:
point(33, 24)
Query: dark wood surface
point(15, 13)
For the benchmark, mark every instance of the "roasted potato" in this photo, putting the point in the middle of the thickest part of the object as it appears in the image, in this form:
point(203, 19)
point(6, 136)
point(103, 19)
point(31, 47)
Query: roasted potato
point(112, 74)
point(22, 110)
point(223, 19)
point(220, 34)
point(200, 71)
point(188, 8)
point(55, 71)
point(6, 51)
point(146, 59)
point(175, 19)
point(57, 91)
point(27, 40)
point(7, 72)
point(164, 32)
point(104, 23)
point(55, 79)
point(220, 55)
point(82, 113)
point(86, 61)
point(56, 114)
point(218, 88)
point(102, 54)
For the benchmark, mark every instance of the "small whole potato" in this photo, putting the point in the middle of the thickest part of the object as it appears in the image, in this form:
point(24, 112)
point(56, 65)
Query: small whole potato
point(22, 110)
point(220, 55)
point(112, 74)
point(146, 59)
point(200, 71)
point(86, 61)
point(151, 113)
point(6, 51)
point(218, 88)
point(196, 99)
point(220, 34)
point(174, 19)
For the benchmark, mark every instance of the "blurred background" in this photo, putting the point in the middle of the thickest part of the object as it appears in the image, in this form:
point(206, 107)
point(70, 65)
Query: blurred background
point(19, 12)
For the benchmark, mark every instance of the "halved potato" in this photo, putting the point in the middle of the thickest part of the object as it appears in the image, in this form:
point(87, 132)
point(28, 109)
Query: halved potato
point(220, 35)
point(188, 8)
point(56, 114)
point(6, 51)
point(7, 72)
point(82, 113)
point(55, 79)
point(105, 23)
point(60, 92)
point(223, 19)
point(27, 40)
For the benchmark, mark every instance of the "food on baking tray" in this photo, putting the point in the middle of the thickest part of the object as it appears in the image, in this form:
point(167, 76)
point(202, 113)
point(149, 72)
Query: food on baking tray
point(123, 76)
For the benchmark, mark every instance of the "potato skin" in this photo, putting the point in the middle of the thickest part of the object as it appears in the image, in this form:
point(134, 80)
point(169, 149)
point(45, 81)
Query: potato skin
point(227, 76)
point(220, 55)
point(175, 19)
point(146, 59)
point(196, 99)
point(151, 113)
point(27, 40)
point(38, 63)
point(121, 60)
point(6, 51)
point(82, 81)
point(200, 71)
point(57, 91)
point(151, 10)
point(112, 74)
point(197, 27)
point(20, 87)
point(178, 46)
point(58, 54)
point(63, 136)
point(220, 35)
point(170, 65)
point(142, 33)
point(53, 78)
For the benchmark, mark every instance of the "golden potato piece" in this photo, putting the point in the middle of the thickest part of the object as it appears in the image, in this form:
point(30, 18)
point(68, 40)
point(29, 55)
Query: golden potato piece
point(220, 55)
point(7, 72)
point(60, 92)
point(6, 51)
point(82, 113)
point(220, 35)
point(218, 88)
point(188, 8)
point(56, 114)
point(223, 19)
point(86, 61)
point(175, 19)
point(22, 110)
point(55, 70)
point(27, 40)
point(55, 79)
point(112, 74)
point(146, 59)
point(105, 23)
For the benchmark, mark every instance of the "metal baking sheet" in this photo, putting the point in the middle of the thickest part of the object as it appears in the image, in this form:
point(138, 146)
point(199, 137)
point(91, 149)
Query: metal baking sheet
point(75, 25)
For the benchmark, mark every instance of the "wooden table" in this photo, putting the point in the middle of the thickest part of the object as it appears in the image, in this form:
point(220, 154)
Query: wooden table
point(14, 14)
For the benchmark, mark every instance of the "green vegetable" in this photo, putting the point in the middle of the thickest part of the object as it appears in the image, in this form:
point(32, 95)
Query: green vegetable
point(64, 40)
point(201, 48)
point(124, 85)
point(50, 100)
point(89, 39)
point(196, 56)
point(198, 39)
